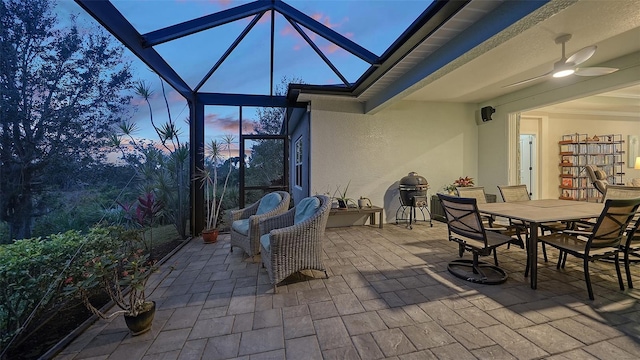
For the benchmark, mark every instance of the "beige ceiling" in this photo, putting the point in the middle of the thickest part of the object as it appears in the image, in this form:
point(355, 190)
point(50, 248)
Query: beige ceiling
point(618, 103)
point(612, 25)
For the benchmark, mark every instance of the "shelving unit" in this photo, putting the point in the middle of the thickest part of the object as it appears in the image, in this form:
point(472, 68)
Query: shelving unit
point(579, 150)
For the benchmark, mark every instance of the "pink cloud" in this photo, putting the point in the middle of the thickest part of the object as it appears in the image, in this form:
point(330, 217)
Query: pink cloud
point(265, 18)
point(227, 124)
point(331, 48)
point(175, 96)
point(137, 101)
point(288, 30)
point(326, 20)
point(221, 3)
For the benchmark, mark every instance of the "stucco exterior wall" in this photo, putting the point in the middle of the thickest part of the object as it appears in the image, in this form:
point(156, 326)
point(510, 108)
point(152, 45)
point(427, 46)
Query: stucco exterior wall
point(372, 153)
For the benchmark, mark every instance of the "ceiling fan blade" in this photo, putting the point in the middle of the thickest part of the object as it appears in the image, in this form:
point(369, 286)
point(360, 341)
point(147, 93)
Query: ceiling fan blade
point(528, 80)
point(594, 71)
point(582, 55)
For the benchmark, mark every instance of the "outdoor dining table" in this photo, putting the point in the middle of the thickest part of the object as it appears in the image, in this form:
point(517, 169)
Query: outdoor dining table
point(536, 212)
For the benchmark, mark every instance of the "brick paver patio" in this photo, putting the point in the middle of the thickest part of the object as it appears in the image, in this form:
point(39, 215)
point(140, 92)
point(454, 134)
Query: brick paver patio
point(389, 296)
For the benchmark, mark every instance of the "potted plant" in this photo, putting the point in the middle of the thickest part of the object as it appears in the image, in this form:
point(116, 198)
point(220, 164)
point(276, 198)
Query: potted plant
point(460, 182)
point(341, 197)
point(114, 260)
point(208, 176)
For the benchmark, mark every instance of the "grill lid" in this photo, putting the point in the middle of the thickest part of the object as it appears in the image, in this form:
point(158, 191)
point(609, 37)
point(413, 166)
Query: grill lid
point(413, 181)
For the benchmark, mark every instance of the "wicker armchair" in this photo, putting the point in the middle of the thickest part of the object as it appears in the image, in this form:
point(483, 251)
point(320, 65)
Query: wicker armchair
point(245, 232)
point(293, 241)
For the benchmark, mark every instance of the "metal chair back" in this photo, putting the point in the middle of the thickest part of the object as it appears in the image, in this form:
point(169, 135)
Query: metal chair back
point(621, 192)
point(514, 193)
point(474, 192)
point(612, 223)
point(463, 218)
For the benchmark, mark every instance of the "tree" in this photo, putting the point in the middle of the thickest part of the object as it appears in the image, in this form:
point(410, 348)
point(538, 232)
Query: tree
point(61, 89)
point(161, 167)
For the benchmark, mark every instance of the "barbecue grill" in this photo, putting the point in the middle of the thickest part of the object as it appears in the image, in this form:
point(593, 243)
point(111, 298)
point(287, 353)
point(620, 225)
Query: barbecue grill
point(413, 195)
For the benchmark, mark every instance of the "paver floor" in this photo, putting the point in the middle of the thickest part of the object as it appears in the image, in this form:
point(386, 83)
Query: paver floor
point(388, 296)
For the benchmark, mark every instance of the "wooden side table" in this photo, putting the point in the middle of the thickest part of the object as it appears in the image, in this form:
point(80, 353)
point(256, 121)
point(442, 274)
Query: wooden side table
point(371, 211)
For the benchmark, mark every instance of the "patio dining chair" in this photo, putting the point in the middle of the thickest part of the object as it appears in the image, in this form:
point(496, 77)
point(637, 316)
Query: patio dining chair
point(601, 242)
point(293, 241)
point(245, 232)
point(465, 227)
point(477, 192)
point(513, 193)
point(613, 192)
point(631, 247)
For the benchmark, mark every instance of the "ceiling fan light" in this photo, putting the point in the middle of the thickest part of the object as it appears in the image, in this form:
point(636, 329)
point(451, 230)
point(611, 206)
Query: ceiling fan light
point(563, 73)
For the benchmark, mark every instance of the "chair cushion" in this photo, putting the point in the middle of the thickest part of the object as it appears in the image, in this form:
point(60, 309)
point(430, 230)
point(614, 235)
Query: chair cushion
point(241, 226)
point(305, 209)
point(600, 175)
point(268, 203)
point(265, 240)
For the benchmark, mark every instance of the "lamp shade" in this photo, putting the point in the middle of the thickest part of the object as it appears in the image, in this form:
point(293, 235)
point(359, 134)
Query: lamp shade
point(637, 166)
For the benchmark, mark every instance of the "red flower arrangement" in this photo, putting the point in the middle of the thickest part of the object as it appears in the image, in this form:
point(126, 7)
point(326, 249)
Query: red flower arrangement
point(460, 182)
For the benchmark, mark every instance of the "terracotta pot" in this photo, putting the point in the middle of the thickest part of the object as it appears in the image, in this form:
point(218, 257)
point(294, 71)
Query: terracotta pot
point(141, 323)
point(210, 236)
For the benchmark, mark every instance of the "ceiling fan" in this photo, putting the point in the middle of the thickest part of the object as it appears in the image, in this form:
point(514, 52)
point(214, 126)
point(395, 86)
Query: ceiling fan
point(567, 66)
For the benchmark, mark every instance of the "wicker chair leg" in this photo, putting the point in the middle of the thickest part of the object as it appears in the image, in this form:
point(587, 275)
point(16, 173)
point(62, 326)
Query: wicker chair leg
point(230, 249)
point(326, 276)
point(544, 253)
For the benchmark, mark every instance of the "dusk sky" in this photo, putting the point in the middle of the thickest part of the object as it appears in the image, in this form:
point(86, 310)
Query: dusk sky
point(373, 24)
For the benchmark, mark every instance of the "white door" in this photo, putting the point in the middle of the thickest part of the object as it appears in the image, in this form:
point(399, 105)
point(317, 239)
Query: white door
point(528, 163)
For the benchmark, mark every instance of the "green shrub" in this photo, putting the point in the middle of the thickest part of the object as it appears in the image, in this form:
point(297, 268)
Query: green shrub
point(31, 273)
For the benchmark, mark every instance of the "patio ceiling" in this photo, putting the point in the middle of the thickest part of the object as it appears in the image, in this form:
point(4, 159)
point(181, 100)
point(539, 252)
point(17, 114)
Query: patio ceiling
point(527, 49)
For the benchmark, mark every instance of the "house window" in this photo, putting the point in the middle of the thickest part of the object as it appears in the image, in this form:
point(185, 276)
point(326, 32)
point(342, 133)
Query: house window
point(298, 162)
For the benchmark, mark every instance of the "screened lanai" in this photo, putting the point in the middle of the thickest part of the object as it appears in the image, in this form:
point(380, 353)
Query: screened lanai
point(374, 89)
point(234, 56)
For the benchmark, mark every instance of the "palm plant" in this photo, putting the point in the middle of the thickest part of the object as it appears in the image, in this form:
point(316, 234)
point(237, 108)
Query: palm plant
point(215, 154)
